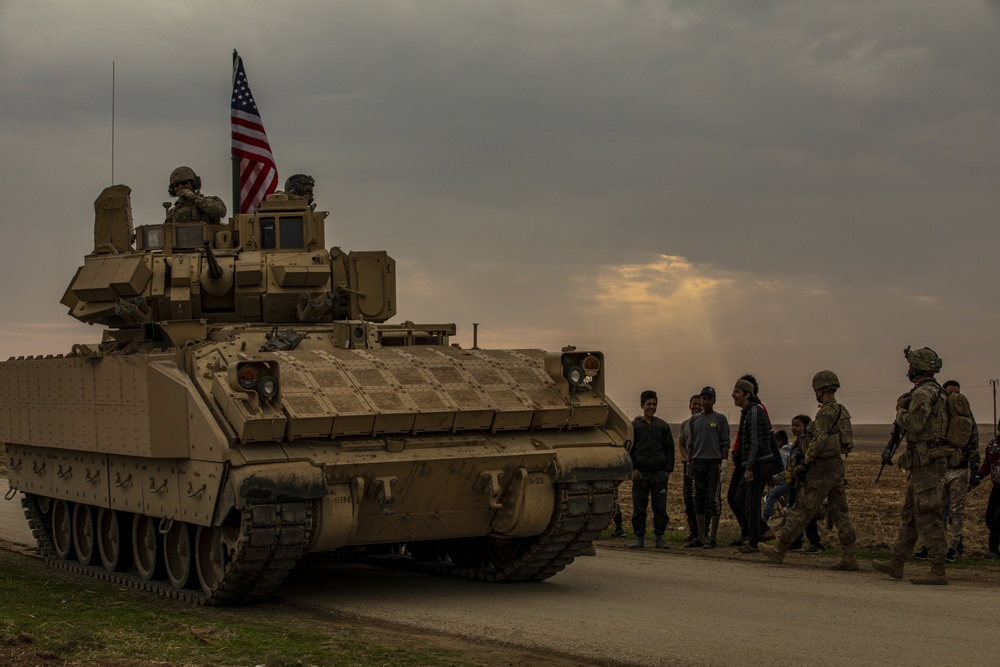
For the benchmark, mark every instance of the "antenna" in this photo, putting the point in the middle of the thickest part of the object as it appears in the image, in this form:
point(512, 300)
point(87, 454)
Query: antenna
point(112, 122)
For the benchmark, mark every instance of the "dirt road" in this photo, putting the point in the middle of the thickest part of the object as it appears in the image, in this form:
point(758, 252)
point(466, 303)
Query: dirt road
point(667, 608)
point(652, 608)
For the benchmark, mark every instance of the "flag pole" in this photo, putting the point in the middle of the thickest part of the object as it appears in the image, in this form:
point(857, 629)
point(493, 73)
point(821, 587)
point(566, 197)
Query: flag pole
point(235, 158)
point(113, 125)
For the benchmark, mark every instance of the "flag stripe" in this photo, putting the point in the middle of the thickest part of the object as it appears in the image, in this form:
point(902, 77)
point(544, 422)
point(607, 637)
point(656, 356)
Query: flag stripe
point(258, 173)
point(252, 145)
point(257, 134)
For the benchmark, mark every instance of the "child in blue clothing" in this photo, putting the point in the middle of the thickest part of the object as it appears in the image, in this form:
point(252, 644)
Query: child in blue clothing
point(779, 484)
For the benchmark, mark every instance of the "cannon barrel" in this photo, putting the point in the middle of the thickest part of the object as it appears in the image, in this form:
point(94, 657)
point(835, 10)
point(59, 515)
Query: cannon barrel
point(214, 270)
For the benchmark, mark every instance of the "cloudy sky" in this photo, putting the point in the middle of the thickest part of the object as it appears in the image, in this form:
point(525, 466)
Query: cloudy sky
point(697, 189)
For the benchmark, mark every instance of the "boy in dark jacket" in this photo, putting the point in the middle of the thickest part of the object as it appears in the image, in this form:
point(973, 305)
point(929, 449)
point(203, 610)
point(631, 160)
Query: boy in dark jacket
point(652, 462)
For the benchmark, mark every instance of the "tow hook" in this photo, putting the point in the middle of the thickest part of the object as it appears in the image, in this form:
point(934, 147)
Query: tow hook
point(490, 485)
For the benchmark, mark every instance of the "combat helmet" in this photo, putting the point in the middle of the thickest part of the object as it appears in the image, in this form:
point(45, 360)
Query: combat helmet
point(183, 174)
point(825, 379)
point(924, 360)
point(300, 184)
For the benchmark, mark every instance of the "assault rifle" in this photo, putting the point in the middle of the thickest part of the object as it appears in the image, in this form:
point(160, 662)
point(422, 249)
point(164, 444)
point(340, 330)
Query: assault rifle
point(890, 449)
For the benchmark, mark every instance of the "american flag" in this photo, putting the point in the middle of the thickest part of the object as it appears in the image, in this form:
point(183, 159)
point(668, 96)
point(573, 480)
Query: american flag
point(258, 174)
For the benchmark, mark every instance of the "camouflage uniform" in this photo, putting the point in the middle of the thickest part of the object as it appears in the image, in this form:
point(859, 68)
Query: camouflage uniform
point(956, 486)
point(195, 207)
point(923, 424)
point(825, 478)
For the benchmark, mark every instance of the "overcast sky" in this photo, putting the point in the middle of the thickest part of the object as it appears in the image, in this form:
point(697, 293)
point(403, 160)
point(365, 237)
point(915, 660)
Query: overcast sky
point(698, 189)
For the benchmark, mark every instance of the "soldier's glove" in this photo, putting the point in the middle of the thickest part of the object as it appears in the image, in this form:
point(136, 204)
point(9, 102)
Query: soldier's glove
point(974, 480)
point(903, 401)
point(185, 195)
point(800, 470)
point(886, 457)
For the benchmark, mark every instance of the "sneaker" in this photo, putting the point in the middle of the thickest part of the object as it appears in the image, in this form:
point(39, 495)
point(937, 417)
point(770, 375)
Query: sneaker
point(951, 556)
point(711, 545)
point(661, 543)
point(619, 532)
point(739, 541)
point(690, 538)
point(748, 549)
point(694, 544)
point(921, 555)
point(816, 549)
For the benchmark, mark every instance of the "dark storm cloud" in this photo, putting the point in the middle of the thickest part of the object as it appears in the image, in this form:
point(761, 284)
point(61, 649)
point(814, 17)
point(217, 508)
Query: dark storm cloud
point(835, 162)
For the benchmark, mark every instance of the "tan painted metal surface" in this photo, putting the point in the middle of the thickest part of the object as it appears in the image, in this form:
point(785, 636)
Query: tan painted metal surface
point(248, 386)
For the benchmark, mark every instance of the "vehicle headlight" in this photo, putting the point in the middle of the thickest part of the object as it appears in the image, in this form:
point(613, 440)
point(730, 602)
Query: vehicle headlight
point(256, 376)
point(267, 387)
point(575, 375)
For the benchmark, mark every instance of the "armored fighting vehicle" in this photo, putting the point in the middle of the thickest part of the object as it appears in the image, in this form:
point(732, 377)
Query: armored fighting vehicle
point(248, 403)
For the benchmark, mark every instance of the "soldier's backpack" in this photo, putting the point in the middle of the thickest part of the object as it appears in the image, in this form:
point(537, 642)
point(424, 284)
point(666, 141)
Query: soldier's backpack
point(959, 418)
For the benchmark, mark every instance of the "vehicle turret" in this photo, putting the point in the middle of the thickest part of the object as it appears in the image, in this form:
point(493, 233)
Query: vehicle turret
point(270, 266)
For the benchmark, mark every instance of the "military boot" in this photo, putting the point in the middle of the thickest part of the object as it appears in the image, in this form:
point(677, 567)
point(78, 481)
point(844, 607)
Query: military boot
point(936, 577)
point(847, 561)
point(777, 552)
point(640, 542)
point(894, 567)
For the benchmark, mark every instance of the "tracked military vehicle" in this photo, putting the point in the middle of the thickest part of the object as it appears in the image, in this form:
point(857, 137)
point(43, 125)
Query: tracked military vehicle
point(248, 403)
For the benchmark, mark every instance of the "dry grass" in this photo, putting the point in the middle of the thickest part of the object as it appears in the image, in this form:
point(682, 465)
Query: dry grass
point(874, 508)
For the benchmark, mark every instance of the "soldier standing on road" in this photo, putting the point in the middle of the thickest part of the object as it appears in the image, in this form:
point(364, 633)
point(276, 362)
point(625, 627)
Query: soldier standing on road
point(828, 437)
point(921, 416)
point(191, 205)
point(652, 462)
point(958, 479)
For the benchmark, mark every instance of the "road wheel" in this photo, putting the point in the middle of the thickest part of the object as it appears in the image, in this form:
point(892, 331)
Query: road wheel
point(146, 547)
point(177, 554)
point(62, 528)
point(84, 542)
point(214, 550)
point(114, 543)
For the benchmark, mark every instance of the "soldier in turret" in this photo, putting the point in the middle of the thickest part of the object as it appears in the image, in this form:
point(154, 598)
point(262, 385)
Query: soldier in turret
point(300, 186)
point(191, 205)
